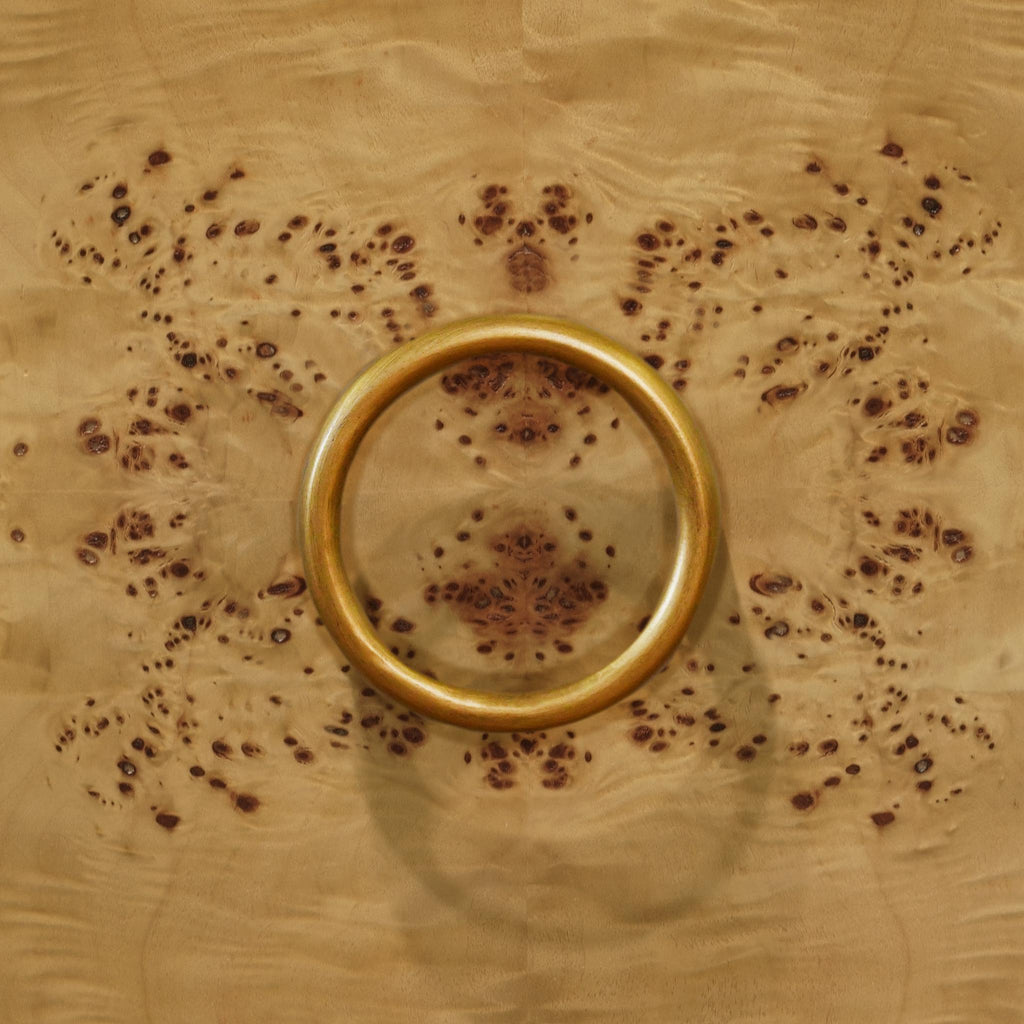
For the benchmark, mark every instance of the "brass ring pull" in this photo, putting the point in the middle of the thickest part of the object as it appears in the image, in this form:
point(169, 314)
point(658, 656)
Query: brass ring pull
point(373, 390)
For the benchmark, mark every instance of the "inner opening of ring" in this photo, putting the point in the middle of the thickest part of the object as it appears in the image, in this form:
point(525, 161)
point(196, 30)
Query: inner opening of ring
point(508, 524)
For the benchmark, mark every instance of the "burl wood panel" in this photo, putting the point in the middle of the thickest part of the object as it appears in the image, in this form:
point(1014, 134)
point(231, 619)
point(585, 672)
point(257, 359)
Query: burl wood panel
point(212, 216)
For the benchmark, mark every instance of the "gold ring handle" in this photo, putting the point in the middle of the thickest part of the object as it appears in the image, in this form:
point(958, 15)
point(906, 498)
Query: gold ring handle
point(375, 388)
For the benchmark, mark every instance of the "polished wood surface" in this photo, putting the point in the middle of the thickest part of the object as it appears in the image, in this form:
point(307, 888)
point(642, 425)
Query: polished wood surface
point(804, 219)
